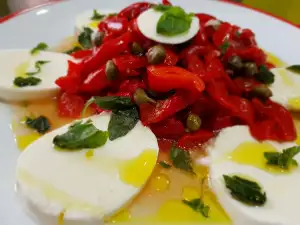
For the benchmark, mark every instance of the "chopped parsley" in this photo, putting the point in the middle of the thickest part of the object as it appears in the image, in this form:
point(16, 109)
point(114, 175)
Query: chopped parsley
point(283, 160)
point(165, 165)
point(294, 68)
point(41, 124)
point(40, 47)
point(181, 159)
point(26, 81)
point(264, 75)
point(245, 191)
point(38, 68)
point(85, 38)
point(97, 15)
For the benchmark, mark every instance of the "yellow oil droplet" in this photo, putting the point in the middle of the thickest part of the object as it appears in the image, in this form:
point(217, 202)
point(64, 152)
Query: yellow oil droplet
point(137, 171)
point(24, 140)
point(160, 182)
point(89, 154)
point(294, 103)
point(94, 24)
point(120, 217)
point(252, 153)
point(298, 139)
point(61, 218)
point(285, 77)
point(275, 60)
point(190, 193)
point(21, 69)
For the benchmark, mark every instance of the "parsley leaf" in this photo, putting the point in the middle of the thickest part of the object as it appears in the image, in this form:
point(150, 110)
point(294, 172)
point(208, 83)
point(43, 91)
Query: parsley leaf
point(181, 159)
point(245, 191)
point(198, 206)
point(41, 124)
point(294, 68)
point(264, 75)
point(161, 7)
point(79, 136)
point(164, 164)
point(26, 81)
point(40, 47)
point(173, 21)
point(283, 160)
point(97, 16)
point(85, 38)
point(224, 47)
point(38, 68)
point(75, 49)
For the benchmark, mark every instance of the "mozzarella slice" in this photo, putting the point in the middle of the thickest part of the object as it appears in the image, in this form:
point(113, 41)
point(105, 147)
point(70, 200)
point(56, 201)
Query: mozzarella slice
point(87, 186)
point(147, 23)
point(286, 88)
point(282, 189)
point(15, 63)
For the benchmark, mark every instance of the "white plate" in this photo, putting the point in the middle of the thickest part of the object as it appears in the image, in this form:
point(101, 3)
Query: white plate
point(52, 22)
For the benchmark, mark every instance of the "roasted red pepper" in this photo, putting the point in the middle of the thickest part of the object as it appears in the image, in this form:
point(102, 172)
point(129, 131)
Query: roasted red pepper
point(134, 10)
point(82, 54)
point(171, 58)
point(70, 105)
point(129, 62)
point(131, 85)
point(169, 128)
point(166, 78)
point(113, 26)
point(223, 34)
point(254, 54)
point(192, 140)
point(166, 2)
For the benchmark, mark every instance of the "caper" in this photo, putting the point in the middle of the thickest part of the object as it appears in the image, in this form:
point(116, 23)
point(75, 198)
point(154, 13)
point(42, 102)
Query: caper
point(235, 63)
point(250, 69)
point(99, 38)
point(111, 70)
point(140, 97)
point(261, 91)
point(156, 55)
point(136, 49)
point(193, 122)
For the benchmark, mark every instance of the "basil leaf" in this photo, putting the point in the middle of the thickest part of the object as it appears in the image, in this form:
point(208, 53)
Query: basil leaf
point(245, 191)
point(40, 47)
point(174, 21)
point(164, 164)
point(79, 136)
point(264, 75)
point(198, 206)
point(121, 122)
point(85, 38)
point(41, 124)
point(161, 7)
point(224, 47)
point(26, 81)
point(75, 49)
point(38, 68)
point(112, 14)
point(294, 68)
point(283, 160)
point(181, 159)
point(97, 16)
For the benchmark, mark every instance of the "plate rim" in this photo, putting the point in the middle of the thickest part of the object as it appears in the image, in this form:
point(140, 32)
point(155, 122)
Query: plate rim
point(51, 2)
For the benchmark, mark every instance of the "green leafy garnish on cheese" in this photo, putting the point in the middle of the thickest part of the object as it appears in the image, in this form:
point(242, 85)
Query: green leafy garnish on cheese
point(40, 47)
point(26, 81)
point(97, 15)
point(41, 124)
point(294, 68)
point(38, 67)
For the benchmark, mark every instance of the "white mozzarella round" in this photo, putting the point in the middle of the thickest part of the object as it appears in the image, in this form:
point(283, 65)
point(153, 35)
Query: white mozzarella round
point(282, 189)
point(286, 88)
point(147, 23)
point(16, 63)
point(87, 190)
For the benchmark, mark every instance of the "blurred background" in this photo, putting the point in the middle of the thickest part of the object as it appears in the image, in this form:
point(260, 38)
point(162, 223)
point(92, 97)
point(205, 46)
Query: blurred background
point(288, 9)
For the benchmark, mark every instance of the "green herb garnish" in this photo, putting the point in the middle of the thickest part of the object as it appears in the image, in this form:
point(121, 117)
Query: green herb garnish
point(85, 38)
point(181, 159)
point(224, 47)
point(41, 124)
point(112, 14)
point(246, 191)
point(79, 136)
point(283, 160)
point(75, 49)
point(198, 206)
point(264, 75)
point(165, 165)
point(294, 68)
point(97, 16)
point(38, 68)
point(26, 81)
point(161, 7)
point(173, 21)
point(40, 47)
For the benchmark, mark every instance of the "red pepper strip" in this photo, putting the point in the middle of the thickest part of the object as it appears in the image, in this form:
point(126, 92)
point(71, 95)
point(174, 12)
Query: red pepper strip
point(169, 128)
point(195, 65)
point(167, 78)
point(95, 82)
point(201, 37)
point(265, 130)
point(71, 82)
point(189, 141)
point(204, 18)
point(245, 84)
point(204, 106)
point(165, 144)
point(129, 62)
point(222, 121)
point(134, 10)
point(248, 37)
point(82, 54)
point(270, 65)
point(166, 2)
point(131, 85)
point(150, 113)
point(196, 50)
point(252, 54)
point(114, 25)
point(171, 58)
point(105, 52)
point(224, 33)
point(70, 105)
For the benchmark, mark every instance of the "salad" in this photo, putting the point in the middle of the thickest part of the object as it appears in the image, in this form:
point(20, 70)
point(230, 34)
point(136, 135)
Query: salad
point(180, 117)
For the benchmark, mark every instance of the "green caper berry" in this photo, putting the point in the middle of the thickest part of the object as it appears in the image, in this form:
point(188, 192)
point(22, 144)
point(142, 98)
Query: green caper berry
point(235, 63)
point(261, 91)
point(136, 49)
point(156, 55)
point(111, 70)
point(250, 69)
point(140, 97)
point(193, 122)
point(99, 38)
